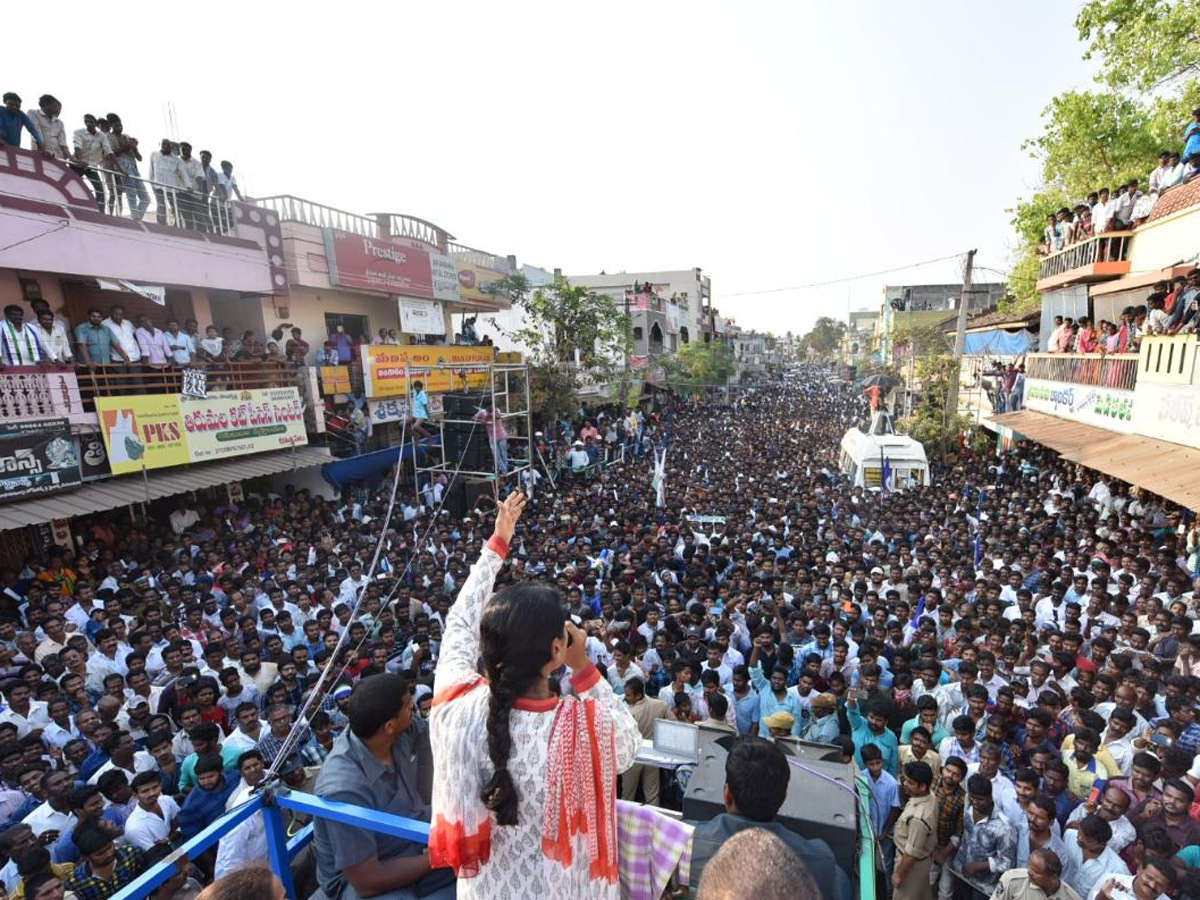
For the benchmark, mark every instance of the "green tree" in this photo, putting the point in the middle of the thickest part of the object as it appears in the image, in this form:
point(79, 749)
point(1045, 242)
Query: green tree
point(929, 424)
point(563, 322)
point(921, 338)
point(698, 363)
point(1096, 138)
point(1142, 44)
point(825, 337)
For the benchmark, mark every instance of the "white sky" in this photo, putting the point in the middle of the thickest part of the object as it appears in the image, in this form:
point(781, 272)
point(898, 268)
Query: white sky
point(772, 144)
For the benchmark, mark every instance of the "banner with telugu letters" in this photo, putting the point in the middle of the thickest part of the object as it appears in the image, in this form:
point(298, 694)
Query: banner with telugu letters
point(386, 368)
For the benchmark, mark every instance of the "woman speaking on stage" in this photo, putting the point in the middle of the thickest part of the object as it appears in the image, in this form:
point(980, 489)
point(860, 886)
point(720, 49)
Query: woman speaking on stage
point(524, 790)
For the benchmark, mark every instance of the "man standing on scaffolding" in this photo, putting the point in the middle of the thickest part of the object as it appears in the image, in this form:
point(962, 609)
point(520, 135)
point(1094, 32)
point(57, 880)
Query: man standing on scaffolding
point(419, 404)
point(494, 423)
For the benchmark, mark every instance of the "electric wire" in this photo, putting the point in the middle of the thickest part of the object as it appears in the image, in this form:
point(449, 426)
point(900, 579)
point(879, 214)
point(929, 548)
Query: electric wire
point(859, 277)
point(416, 547)
point(301, 721)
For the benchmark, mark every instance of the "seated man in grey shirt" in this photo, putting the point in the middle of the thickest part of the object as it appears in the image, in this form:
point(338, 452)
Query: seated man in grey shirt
point(756, 780)
point(381, 762)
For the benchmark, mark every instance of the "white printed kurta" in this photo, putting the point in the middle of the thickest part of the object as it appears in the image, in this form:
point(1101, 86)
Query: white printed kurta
point(516, 867)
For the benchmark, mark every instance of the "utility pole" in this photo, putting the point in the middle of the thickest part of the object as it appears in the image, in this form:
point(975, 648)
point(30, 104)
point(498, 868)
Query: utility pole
point(628, 349)
point(960, 336)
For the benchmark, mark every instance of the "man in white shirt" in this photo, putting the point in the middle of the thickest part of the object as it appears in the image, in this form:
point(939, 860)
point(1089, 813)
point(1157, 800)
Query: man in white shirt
point(29, 716)
point(124, 755)
point(1154, 879)
point(350, 587)
point(227, 182)
point(167, 182)
point(250, 728)
point(1101, 217)
point(19, 343)
point(53, 338)
point(578, 457)
point(50, 126)
point(54, 815)
point(183, 348)
point(125, 347)
point(623, 668)
point(247, 843)
point(155, 818)
point(183, 518)
point(93, 150)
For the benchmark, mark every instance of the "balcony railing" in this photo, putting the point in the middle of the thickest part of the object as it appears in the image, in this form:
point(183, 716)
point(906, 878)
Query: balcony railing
point(399, 225)
point(645, 302)
point(28, 393)
point(141, 199)
point(1110, 247)
point(481, 258)
point(1112, 370)
point(294, 209)
point(114, 380)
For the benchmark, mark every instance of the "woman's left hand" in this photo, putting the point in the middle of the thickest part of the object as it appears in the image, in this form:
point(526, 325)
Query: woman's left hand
point(507, 515)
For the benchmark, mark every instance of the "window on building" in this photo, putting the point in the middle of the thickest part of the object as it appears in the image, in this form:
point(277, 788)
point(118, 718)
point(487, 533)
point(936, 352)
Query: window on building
point(683, 334)
point(637, 332)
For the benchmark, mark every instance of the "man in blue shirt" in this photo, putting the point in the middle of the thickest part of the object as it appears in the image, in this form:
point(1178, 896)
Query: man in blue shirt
point(420, 409)
point(873, 731)
point(885, 802)
point(94, 340)
point(13, 119)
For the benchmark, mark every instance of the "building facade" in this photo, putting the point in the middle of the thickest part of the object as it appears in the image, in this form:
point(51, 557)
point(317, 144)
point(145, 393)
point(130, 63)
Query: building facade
point(274, 280)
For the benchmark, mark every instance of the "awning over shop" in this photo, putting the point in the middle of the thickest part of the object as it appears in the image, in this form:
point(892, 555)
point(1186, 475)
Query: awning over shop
point(1171, 470)
point(127, 489)
point(371, 466)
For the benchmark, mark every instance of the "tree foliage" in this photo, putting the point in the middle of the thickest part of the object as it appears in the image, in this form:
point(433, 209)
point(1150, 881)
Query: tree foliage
point(700, 362)
point(921, 338)
point(563, 322)
point(825, 337)
point(1104, 137)
point(1142, 44)
point(929, 424)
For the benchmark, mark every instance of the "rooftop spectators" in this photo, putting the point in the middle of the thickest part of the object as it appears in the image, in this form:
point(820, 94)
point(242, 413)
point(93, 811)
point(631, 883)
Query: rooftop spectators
point(188, 191)
point(1126, 206)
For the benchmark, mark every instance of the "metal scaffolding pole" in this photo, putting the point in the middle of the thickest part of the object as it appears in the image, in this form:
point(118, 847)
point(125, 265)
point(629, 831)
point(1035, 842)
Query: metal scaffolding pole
point(498, 388)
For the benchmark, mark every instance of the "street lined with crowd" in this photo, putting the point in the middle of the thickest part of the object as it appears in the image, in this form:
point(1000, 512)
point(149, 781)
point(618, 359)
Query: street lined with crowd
point(1010, 656)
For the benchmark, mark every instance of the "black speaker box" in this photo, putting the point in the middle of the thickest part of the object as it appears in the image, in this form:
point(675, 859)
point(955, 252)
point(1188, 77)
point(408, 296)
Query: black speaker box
point(461, 404)
point(813, 808)
point(470, 445)
point(455, 500)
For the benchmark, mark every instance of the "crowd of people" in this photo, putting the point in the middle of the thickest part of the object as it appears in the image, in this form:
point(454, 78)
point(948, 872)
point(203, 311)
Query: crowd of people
point(1125, 206)
point(189, 192)
point(1010, 657)
point(112, 342)
point(1172, 307)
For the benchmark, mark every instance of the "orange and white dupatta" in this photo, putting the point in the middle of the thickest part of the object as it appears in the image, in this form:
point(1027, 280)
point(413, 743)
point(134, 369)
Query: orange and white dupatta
point(581, 796)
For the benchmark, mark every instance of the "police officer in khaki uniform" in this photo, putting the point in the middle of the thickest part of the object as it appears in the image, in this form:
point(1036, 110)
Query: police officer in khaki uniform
point(915, 834)
point(1041, 881)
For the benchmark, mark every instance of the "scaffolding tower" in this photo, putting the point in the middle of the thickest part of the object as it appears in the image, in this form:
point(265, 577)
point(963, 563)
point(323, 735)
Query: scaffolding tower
point(499, 391)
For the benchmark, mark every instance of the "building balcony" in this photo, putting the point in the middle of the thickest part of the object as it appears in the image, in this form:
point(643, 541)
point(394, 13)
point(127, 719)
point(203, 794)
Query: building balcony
point(30, 393)
point(53, 222)
point(386, 255)
point(1113, 370)
point(647, 302)
point(112, 381)
point(1097, 258)
point(378, 226)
